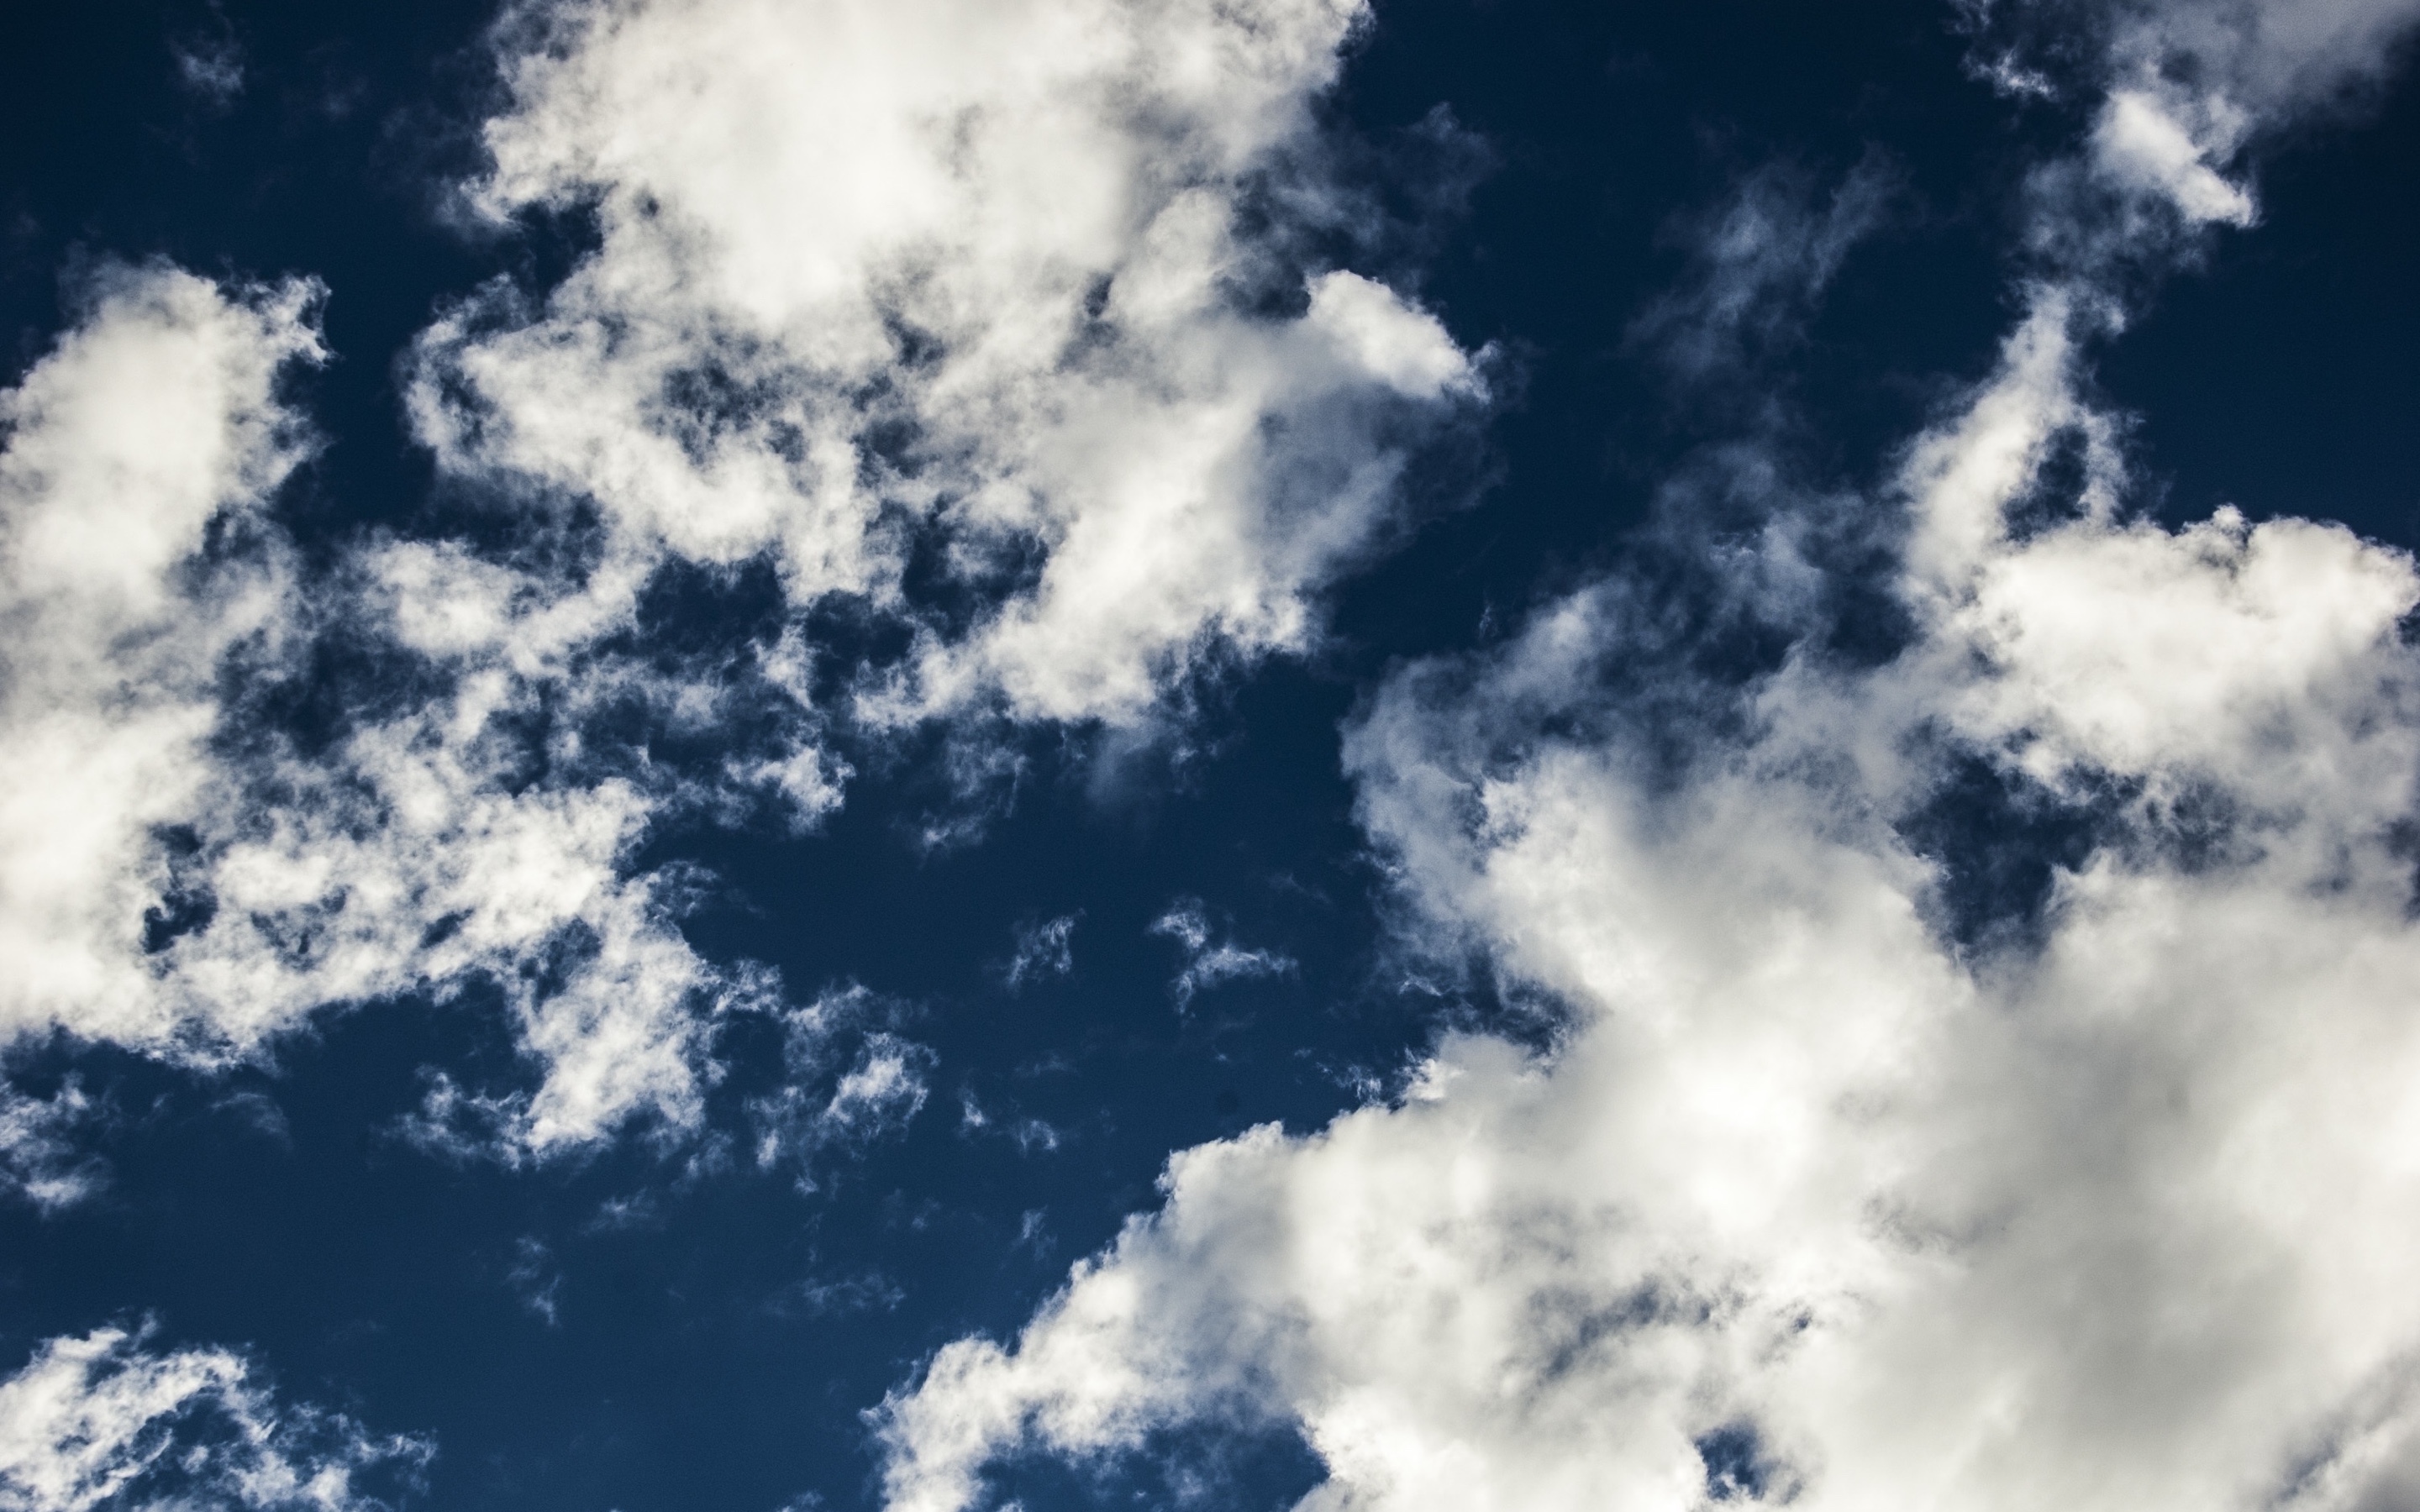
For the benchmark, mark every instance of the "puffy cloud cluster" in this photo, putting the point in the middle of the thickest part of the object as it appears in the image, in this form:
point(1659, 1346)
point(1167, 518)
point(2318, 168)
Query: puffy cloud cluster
point(177, 875)
point(987, 324)
point(104, 1421)
point(138, 570)
point(1863, 1173)
point(983, 316)
point(1817, 1202)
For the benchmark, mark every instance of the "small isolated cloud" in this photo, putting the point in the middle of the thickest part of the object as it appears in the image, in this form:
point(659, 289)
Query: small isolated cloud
point(832, 1098)
point(1044, 949)
point(1208, 962)
point(212, 69)
point(536, 1280)
point(104, 1421)
point(2186, 88)
point(1029, 1134)
point(867, 1291)
point(42, 1158)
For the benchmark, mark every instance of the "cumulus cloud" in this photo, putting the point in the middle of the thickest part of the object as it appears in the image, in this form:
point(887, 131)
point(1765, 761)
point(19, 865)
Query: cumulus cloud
point(137, 568)
point(178, 875)
point(947, 311)
point(986, 327)
point(103, 1420)
point(1859, 1175)
point(1819, 1202)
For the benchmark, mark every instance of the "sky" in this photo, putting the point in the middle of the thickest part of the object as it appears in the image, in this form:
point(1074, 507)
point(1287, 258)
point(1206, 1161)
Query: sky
point(1358, 755)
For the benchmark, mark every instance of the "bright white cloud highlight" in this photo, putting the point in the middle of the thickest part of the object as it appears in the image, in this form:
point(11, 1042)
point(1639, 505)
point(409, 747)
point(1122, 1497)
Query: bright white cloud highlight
point(104, 1421)
point(2185, 85)
point(957, 282)
point(135, 559)
point(175, 876)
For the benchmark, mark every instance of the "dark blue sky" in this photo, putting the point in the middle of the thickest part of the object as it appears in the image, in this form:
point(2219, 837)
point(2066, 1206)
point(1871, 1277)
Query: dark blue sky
point(656, 1322)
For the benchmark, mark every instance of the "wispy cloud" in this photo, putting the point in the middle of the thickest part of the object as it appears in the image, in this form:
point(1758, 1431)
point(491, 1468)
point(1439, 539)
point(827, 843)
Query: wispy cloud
point(1044, 949)
point(1209, 962)
point(104, 1421)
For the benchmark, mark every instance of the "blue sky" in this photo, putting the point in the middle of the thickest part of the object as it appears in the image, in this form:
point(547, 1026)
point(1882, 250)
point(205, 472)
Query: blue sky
point(1070, 753)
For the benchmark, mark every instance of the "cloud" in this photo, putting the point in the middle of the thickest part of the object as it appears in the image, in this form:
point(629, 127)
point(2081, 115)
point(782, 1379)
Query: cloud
point(41, 1158)
point(1858, 1174)
point(184, 873)
point(820, 1106)
point(949, 312)
point(1207, 964)
point(1761, 260)
point(2184, 86)
point(985, 327)
point(137, 567)
point(104, 1421)
point(1044, 949)
point(211, 68)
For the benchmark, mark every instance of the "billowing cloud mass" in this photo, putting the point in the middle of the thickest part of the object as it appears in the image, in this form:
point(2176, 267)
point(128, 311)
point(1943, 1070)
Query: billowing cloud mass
point(1989, 1073)
point(104, 1421)
point(985, 325)
point(134, 565)
point(951, 310)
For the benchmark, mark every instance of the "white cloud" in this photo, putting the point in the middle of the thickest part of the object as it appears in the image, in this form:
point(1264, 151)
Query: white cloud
point(827, 1101)
point(1823, 1197)
point(179, 876)
point(963, 280)
point(176, 876)
point(104, 1421)
point(1044, 949)
point(1208, 961)
point(135, 559)
point(958, 282)
point(40, 1155)
point(2140, 144)
point(2185, 85)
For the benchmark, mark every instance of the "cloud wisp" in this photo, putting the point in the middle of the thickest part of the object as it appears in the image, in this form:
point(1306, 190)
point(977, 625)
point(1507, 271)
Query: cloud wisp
point(102, 1420)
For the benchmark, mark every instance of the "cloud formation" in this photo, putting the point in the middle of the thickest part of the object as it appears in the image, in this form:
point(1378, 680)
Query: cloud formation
point(991, 328)
point(178, 873)
point(1209, 962)
point(952, 312)
point(1987, 1073)
point(138, 570)
point(2183, 87)
point(104, 1421)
